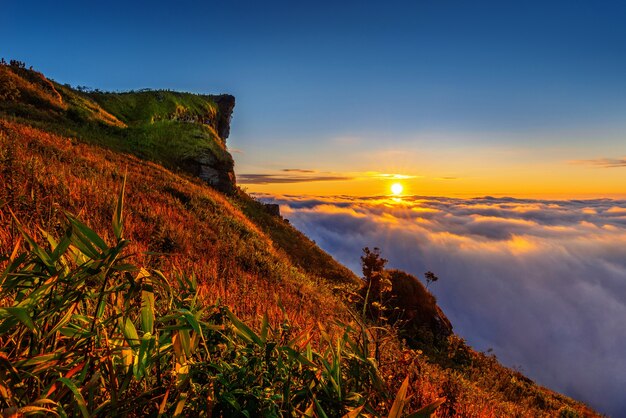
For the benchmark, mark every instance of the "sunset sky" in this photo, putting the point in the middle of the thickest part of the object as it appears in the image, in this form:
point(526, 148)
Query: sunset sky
point(462, 98)
point(453, 100)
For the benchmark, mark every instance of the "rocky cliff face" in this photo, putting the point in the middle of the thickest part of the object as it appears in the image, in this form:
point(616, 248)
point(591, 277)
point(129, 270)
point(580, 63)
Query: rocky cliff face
point(178, 130)
point(218, 174)
point(217, 171)
point(225, 104)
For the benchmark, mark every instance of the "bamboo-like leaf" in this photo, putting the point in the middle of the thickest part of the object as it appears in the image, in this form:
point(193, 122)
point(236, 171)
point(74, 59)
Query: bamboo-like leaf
point(64, 320)
point(118, 215)
point(37, 410)
point(80, 401)
point(129, 331)
point(191, 320)
point(22, 315)
point(178, 348)
point(297, 356)
point(147, 301)
point(60, 247)
point(264, 328)
point(141, 361)
point(185, 341)
point(48, 411)
point(428, 410)
point(354, 413)
point(163, 403)
point(36, 360)
point(35, 248)
point(243, 330)
point(320, 410)
point(400, 401)
point(85, 238)
point(180, 405)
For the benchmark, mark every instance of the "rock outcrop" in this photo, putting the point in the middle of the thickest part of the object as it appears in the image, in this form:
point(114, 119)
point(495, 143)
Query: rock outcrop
point(216, 170)
point(417, 310)
point(272, 208)
point(217, 174)
point(225, 104)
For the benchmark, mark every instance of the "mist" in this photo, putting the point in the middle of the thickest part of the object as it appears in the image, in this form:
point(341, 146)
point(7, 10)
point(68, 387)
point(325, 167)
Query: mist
point(541, 282)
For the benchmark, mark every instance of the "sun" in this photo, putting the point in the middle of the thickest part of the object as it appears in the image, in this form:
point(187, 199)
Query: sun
point(396, 188)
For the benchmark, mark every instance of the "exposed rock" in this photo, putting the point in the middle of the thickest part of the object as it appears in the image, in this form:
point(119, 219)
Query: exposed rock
point(216, 173)
point(225, 104)
point(272, 208)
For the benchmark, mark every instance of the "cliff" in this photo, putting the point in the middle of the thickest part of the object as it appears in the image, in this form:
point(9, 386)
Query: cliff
point(182, 131)
point(192, 129)
point(138, 317)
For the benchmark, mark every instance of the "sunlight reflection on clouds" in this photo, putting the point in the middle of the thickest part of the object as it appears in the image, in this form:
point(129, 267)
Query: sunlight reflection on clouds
point(542, 282)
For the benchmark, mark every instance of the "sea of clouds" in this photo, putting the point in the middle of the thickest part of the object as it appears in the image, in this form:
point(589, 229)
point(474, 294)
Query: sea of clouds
point(541, 282)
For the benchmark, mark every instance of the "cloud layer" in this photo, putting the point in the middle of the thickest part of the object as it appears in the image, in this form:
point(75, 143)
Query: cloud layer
point(603, 162)
point(301, 176)
point(541, 282)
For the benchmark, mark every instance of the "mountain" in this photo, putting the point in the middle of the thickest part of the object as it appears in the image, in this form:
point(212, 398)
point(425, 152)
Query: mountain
point(138, 279)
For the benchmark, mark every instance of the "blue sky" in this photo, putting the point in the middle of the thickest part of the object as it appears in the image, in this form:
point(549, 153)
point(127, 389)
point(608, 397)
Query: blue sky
point(318, 81)
point(459, 97)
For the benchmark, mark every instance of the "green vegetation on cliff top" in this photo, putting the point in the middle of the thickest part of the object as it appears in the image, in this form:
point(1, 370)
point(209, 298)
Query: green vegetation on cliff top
point(172, 312)
point(161, 126)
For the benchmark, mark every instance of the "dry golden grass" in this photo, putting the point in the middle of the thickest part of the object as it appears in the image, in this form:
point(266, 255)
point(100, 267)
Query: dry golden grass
point(193, 228)
point(179, 225)
point(246, 259)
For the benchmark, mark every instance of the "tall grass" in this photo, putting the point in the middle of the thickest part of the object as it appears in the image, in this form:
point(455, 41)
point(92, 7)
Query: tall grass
point(86, 333)
point(243, 259)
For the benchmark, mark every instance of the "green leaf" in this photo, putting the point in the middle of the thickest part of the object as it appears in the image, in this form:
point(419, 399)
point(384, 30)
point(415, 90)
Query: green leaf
point(118, 216)
point(320, 410)
point(428, 410)
point(59, 248)
point(191, 320)
point(293, 354)
point(22, 315)
point(354, 413)
point(64, 320)
point(147, 302)
point(129, 331)
point(400, 401)
point(264, 328)
point(243, 330)
point(35, 248)
point(77, 395)
point(85, 238)
point(141, 361)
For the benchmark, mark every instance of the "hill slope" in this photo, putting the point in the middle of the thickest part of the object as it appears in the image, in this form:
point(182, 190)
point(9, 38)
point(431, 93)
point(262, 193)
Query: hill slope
point(62, 150)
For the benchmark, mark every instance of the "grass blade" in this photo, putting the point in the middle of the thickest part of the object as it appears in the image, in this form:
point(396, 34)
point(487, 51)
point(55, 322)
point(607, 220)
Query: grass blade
point(22, 315)
point(243, 330)
point(80, 401)
point(428, 410)
point(118, 215)
point(400, 401)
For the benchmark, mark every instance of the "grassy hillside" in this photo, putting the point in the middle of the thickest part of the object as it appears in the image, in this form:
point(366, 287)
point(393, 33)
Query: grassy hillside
point(180, 131)
point(113, 330)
